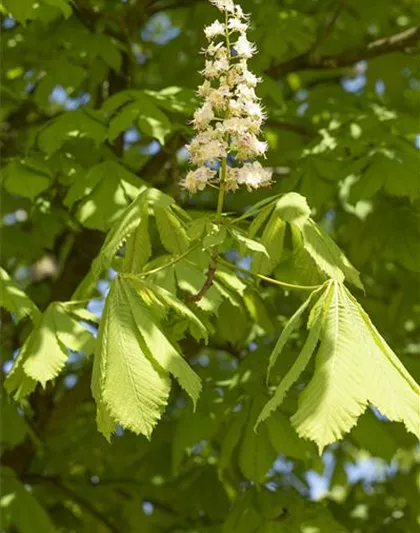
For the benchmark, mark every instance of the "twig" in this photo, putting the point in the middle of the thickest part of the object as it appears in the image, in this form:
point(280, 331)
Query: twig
point(211, 272)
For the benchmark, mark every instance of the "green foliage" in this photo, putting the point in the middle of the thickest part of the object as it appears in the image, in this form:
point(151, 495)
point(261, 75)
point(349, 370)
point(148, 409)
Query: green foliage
point(130, 380)
point(16, 497)
point(354, 367)
point(228, 363)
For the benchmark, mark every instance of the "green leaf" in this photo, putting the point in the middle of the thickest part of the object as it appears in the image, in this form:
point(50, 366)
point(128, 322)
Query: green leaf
point(44, 353)
point(24, 180)
point(154, 123)
point(258, 311)
point(259, 220)
point(138, 248)
point(256, 454)
point(197, 328)
point(285, 439)
point(103, 194)
point(15, 498)
point(289, 328)
point(122, 121)
point(172, 233)
point(230, 280)
point(16, 425)
point(327, 255)
point(232, 438)
point(23, 10)
point(215, 235)
point(15, 300)
point(293, 208)
point(78, 124)
point(354, 367)
point(120, 232)
point(160, 349)
point(315, 324)
point(252, 245)
point(149, 118)
point(128, 386)
point(272, 239)
point(374, 436)
point(116, 236)
point(175, 99)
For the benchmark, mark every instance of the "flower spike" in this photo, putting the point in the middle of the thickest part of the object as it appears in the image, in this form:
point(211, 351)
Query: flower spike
point(229, 121)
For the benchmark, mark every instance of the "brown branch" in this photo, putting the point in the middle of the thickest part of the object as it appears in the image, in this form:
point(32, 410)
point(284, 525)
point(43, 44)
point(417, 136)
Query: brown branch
point(405, 41)
point(209, 280)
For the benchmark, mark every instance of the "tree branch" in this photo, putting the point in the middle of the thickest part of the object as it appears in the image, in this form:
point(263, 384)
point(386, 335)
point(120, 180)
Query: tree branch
point(209, 280)
point(399, 42)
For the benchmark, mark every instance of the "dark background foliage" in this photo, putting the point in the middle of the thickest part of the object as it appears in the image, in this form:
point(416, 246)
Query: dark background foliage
point(341, 90)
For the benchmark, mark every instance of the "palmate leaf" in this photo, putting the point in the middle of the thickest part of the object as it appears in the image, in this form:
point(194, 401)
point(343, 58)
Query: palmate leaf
point(354, 368)
point(44, 353)
point(127, 386)
point(15, 300)
point(130, 380)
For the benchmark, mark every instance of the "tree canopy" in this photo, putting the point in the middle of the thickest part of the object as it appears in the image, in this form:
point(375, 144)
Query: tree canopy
point(210, 298)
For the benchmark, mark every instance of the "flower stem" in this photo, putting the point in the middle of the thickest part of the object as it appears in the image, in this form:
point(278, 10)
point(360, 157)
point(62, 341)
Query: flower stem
point(222, 189)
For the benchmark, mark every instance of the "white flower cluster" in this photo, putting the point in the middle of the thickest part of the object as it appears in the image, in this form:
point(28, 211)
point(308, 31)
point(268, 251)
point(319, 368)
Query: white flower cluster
point(230, 118)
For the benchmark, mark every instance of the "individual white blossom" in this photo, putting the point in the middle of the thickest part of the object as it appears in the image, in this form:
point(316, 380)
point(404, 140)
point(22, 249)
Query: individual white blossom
point(196, 180)
point(237, 25)
point(253, 109)
point(219, 98)
point(247, 146)
point(245, 93)
point(244, 48)
point(250, 79)
point(204, 89)
point(217, 28)
point(207, 146)
point(224, 5)
point(253, 175)
point(230, 118)
point(203, 116)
